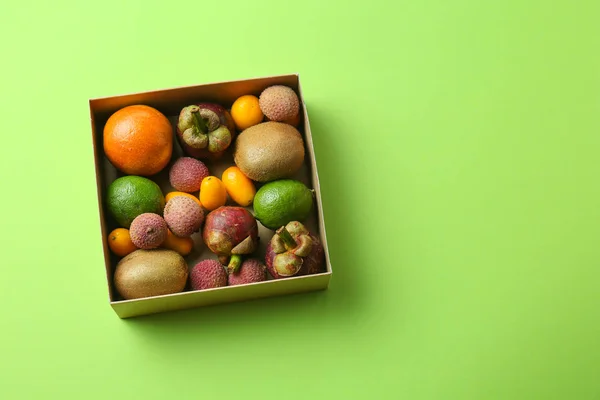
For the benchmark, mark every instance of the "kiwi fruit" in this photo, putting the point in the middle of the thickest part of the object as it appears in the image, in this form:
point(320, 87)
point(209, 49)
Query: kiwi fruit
point(147, 273)
point(269, 151)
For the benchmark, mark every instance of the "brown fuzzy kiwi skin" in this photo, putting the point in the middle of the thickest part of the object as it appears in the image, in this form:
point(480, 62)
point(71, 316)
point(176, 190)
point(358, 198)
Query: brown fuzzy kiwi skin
point(269, 151)
point(147, 273)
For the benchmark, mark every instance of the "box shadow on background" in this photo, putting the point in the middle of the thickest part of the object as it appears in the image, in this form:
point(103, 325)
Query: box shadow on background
point(340, 307)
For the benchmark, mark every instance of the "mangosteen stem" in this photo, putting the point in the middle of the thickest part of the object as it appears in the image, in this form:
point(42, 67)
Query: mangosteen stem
point(199, 121)
point(234, 263)
point(288, 240)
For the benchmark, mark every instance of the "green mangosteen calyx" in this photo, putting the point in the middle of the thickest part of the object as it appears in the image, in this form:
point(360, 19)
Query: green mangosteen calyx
point(291, 243)
point(235, 262)
point(246, 246)
point(219, 139)
point(201, 128)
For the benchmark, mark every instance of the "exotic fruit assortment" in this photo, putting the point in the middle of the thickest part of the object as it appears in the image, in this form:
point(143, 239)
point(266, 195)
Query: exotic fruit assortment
point(155, 235)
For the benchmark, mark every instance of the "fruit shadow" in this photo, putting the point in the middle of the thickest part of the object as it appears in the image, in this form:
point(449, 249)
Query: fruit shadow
point(338, 307)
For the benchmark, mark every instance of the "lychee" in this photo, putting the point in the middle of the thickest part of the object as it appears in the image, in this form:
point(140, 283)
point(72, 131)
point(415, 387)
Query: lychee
point(279, 103)
point(250, 271)
point(183, 215)
point(148, 231)
point(187, 173)
point(208, 274)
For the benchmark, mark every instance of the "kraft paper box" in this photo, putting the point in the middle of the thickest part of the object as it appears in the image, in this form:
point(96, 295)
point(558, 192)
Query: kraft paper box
point(170, 102)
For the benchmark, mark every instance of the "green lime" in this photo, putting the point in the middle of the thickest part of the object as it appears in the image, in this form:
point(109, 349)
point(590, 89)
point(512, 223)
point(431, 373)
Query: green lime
point(279, 202)
point(130, 196)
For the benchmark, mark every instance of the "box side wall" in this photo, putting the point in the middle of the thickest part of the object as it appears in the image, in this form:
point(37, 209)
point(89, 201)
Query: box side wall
point(100, 196)
point(171, 101)
point(228, 294)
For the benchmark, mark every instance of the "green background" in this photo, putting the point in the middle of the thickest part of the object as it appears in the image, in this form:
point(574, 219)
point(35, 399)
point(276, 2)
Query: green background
point(457, 144)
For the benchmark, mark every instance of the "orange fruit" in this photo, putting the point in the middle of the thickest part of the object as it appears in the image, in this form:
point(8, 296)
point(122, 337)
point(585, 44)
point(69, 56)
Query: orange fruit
point(212, 193)
point(239, 187)
point(181, 245)
point(138, 140)
point(120, 242)
point(170, 195)
point(246, 112)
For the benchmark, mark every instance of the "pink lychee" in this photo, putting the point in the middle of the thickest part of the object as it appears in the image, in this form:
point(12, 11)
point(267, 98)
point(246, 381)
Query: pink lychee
point(208, 274)
point(187, 173)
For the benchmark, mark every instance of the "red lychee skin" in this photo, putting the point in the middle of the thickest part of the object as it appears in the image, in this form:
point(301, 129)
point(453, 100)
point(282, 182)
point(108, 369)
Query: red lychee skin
point(183, 216)
point(148, 231)
point(312, 264)
point(250, 271)
point(225, 119)
point(187, 173)
point(235, 223)
point(208, 274)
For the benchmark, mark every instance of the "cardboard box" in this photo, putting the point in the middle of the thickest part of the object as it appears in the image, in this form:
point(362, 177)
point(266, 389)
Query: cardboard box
point(170, 102)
